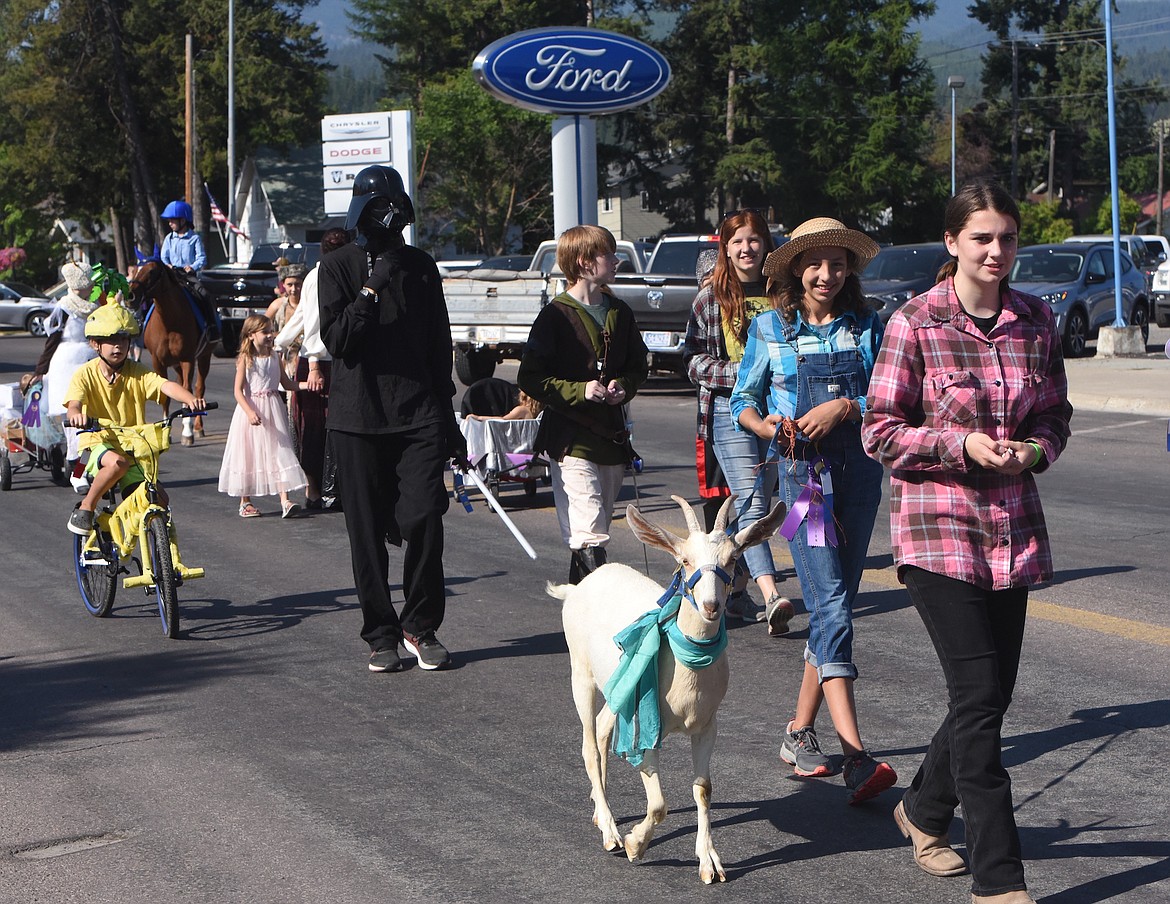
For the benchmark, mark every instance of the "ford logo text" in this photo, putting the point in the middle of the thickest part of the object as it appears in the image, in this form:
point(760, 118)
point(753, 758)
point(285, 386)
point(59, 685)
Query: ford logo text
point(571, 70)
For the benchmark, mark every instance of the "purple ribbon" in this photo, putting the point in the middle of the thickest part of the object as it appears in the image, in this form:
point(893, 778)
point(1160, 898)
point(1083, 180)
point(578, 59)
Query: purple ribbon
point(814, 504)
point(32, 412)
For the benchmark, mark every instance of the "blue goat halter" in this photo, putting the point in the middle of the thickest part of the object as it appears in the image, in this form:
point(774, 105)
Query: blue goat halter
point(687, 588)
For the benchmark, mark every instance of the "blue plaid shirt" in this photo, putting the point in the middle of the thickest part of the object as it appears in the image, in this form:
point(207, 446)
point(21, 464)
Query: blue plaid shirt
point(767, 374)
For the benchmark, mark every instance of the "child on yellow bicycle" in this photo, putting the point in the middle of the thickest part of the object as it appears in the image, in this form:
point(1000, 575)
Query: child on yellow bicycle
point(115, 389)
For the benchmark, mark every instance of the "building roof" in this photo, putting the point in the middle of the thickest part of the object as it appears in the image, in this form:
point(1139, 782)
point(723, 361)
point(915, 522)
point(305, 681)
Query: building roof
point(292, 182)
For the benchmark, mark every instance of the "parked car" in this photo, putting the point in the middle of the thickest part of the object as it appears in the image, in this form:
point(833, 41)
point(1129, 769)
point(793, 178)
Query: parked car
point(1078, 281)
point(632, 257)
point(900, 272)
point(24, 308)
point(1133, 245)
point(1158, 247)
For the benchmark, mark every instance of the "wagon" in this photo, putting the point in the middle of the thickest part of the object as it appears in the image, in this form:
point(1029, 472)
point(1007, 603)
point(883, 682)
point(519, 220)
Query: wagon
point(501, 452)
point(29, 438)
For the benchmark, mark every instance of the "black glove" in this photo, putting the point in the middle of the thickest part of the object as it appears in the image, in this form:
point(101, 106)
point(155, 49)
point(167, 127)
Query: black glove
point(384, 269)
point(456, 444)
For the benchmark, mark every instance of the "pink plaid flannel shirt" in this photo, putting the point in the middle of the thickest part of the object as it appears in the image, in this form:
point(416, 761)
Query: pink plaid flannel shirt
point(937, 379)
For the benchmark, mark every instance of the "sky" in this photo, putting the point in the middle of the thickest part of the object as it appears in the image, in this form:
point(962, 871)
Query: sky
point(330, 15)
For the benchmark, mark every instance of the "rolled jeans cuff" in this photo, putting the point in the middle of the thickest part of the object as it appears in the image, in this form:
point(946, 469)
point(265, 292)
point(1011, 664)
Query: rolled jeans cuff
point(830, 669)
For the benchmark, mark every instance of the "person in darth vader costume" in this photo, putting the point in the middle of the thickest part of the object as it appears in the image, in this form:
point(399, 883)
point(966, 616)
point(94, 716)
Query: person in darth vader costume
point(384, 321)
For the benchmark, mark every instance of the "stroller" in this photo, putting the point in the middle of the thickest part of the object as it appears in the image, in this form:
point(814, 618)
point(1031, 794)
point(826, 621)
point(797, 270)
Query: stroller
point(501, 450)
point(26, 430)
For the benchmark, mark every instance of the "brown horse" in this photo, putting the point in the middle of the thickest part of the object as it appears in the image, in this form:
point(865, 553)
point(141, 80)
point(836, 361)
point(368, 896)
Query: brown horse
point(172, 334)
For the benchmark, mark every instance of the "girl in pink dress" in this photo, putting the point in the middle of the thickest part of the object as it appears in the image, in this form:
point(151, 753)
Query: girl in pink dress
point(258, 459)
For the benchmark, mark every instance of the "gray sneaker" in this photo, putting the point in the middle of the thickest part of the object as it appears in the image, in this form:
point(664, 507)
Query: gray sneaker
point(386, 660)
point(778, 612)
point(801, 751)
point(740, 605)
point(866, 777)
point(81, 522)
point(426, 647)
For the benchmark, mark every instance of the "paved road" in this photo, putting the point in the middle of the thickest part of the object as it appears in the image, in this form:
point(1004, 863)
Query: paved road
point(255, 759)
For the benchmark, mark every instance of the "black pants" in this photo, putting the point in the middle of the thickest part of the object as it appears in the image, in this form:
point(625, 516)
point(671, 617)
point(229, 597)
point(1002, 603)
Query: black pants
point(977, 635)
point(391, 487)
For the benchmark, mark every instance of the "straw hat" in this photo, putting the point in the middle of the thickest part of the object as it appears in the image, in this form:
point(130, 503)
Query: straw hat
point(820, 232)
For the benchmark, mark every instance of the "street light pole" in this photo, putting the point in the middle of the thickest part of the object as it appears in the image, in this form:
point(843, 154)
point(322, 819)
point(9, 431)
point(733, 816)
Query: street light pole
point(954, 82)
point(1119, 317)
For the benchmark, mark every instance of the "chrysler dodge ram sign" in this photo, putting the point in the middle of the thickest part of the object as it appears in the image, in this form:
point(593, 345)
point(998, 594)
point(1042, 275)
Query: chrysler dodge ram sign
point(571, 71)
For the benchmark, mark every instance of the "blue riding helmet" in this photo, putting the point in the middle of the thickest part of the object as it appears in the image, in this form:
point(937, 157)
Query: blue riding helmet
point(178, 210)
point(379, 201)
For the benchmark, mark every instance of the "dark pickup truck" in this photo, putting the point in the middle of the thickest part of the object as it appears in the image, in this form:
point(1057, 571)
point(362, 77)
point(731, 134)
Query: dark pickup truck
point(661, 298)
point(239, 290)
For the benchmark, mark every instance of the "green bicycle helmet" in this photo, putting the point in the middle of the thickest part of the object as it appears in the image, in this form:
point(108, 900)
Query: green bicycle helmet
point(110, 320)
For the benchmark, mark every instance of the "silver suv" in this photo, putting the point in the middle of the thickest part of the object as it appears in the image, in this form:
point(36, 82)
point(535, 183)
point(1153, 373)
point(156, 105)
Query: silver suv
point(1077, 280)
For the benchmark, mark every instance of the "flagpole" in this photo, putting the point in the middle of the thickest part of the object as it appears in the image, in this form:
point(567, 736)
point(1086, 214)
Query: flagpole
point(219, 227)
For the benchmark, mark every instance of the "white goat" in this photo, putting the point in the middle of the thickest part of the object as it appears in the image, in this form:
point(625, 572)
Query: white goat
point(615, 596)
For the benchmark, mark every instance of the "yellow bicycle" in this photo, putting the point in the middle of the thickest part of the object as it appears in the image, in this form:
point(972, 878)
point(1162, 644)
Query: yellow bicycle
point(142, 518)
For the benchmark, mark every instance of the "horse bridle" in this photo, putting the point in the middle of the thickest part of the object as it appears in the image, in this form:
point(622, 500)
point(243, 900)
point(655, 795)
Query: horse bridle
point(145, 288)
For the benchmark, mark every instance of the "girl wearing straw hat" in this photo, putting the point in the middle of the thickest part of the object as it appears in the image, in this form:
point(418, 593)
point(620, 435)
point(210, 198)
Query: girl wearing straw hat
point(802, 384)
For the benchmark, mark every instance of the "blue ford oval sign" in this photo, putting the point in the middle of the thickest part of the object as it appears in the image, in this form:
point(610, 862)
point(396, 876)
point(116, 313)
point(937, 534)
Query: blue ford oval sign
point(571, 70)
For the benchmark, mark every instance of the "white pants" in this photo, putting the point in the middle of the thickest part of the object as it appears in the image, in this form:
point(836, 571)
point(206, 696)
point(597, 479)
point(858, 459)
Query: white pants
point(584, 492)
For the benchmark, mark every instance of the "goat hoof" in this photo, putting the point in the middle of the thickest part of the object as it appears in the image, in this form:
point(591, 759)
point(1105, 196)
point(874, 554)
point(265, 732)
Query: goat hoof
point(711, 869)
point(634, 851)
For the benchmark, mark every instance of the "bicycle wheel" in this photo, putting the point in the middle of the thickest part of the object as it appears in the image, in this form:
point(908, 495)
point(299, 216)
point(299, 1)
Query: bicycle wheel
point(158, 540)
point(97, 581)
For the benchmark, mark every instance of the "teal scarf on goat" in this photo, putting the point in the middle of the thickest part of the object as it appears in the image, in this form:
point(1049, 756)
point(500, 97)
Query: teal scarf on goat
point(632, 690)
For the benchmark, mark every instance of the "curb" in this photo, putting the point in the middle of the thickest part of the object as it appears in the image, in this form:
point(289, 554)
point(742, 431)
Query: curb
point(1119, 404)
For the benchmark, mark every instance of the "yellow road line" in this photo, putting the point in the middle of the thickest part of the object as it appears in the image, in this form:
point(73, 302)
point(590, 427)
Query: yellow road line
point(1085, 620)
point(1127, 628)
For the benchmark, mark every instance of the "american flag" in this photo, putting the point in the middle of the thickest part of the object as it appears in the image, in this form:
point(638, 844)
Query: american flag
point(220, 217)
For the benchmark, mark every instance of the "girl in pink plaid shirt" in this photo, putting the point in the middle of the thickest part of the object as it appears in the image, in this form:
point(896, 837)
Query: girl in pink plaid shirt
point(968, 400)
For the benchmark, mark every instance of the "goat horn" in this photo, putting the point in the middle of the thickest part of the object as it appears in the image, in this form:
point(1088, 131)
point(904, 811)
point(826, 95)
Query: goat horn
point(689, 514)
point(725, 512)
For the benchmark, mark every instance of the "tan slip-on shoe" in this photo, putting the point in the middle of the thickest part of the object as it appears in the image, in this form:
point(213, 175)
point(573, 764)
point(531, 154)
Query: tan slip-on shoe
point(933, 855)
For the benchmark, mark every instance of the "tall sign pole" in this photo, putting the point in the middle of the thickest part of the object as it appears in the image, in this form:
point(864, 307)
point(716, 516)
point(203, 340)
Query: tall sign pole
point(231, 128)
point(352, 141)
point(575, 74)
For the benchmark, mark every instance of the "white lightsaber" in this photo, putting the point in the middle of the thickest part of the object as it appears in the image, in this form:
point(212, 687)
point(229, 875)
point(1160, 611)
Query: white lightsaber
point(470, 472)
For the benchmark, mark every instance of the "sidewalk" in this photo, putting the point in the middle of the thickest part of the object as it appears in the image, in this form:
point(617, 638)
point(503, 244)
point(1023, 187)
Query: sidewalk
point(1130, 385)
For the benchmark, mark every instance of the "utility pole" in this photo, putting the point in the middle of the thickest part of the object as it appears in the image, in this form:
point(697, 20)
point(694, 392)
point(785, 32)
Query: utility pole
point(1015, 118)
point(188, 115)
point(1051, 165)
point(1161, 168)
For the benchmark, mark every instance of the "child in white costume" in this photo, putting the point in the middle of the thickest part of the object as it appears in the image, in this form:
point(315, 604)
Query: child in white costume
point(72, 348)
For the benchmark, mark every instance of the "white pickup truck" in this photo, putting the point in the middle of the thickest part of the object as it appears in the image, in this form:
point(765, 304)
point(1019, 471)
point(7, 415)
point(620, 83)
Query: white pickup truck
point(491, 311)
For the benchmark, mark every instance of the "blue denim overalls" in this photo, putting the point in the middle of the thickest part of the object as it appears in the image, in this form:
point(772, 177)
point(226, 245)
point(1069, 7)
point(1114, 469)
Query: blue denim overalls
point(829, 576)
